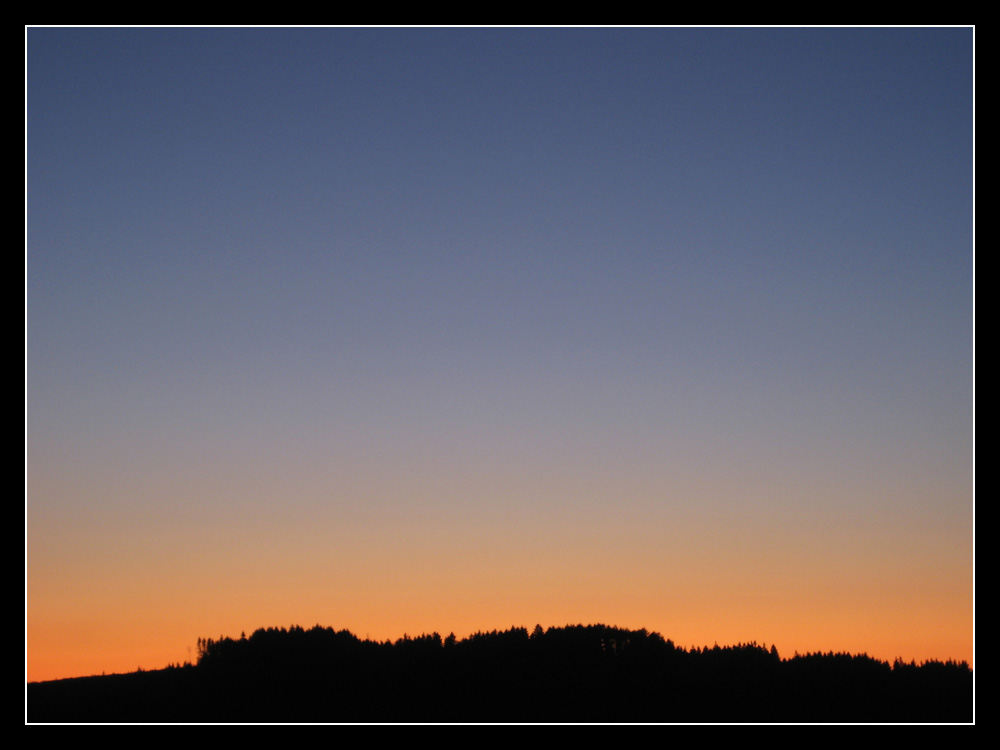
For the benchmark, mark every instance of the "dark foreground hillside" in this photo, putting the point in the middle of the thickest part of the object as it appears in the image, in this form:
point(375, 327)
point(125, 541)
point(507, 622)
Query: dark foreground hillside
point(578, 673)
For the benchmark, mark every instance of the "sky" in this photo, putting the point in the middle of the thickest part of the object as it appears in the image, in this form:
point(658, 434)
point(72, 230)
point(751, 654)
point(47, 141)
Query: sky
point(414, 330)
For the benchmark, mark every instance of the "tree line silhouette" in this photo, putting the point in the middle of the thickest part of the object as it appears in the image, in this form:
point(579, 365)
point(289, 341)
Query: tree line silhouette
point(576, 673)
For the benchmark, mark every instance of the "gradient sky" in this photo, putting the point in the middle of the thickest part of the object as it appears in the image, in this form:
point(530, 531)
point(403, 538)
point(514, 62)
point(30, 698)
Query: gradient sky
point(402, 330)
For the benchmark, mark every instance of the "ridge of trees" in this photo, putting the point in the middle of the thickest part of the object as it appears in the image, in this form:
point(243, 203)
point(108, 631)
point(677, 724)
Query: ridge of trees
point(575, 673)
point(583, 639)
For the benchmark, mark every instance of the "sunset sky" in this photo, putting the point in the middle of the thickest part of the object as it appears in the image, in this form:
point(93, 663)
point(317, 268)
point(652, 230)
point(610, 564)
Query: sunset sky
point(404, 330)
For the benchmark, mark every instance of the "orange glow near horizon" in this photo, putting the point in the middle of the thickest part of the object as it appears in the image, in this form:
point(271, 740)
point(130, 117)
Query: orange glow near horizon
point(73, 648)
point(381, 578)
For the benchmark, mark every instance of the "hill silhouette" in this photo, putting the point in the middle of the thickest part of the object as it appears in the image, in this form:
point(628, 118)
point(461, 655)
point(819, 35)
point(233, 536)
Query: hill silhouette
point(577, 673)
